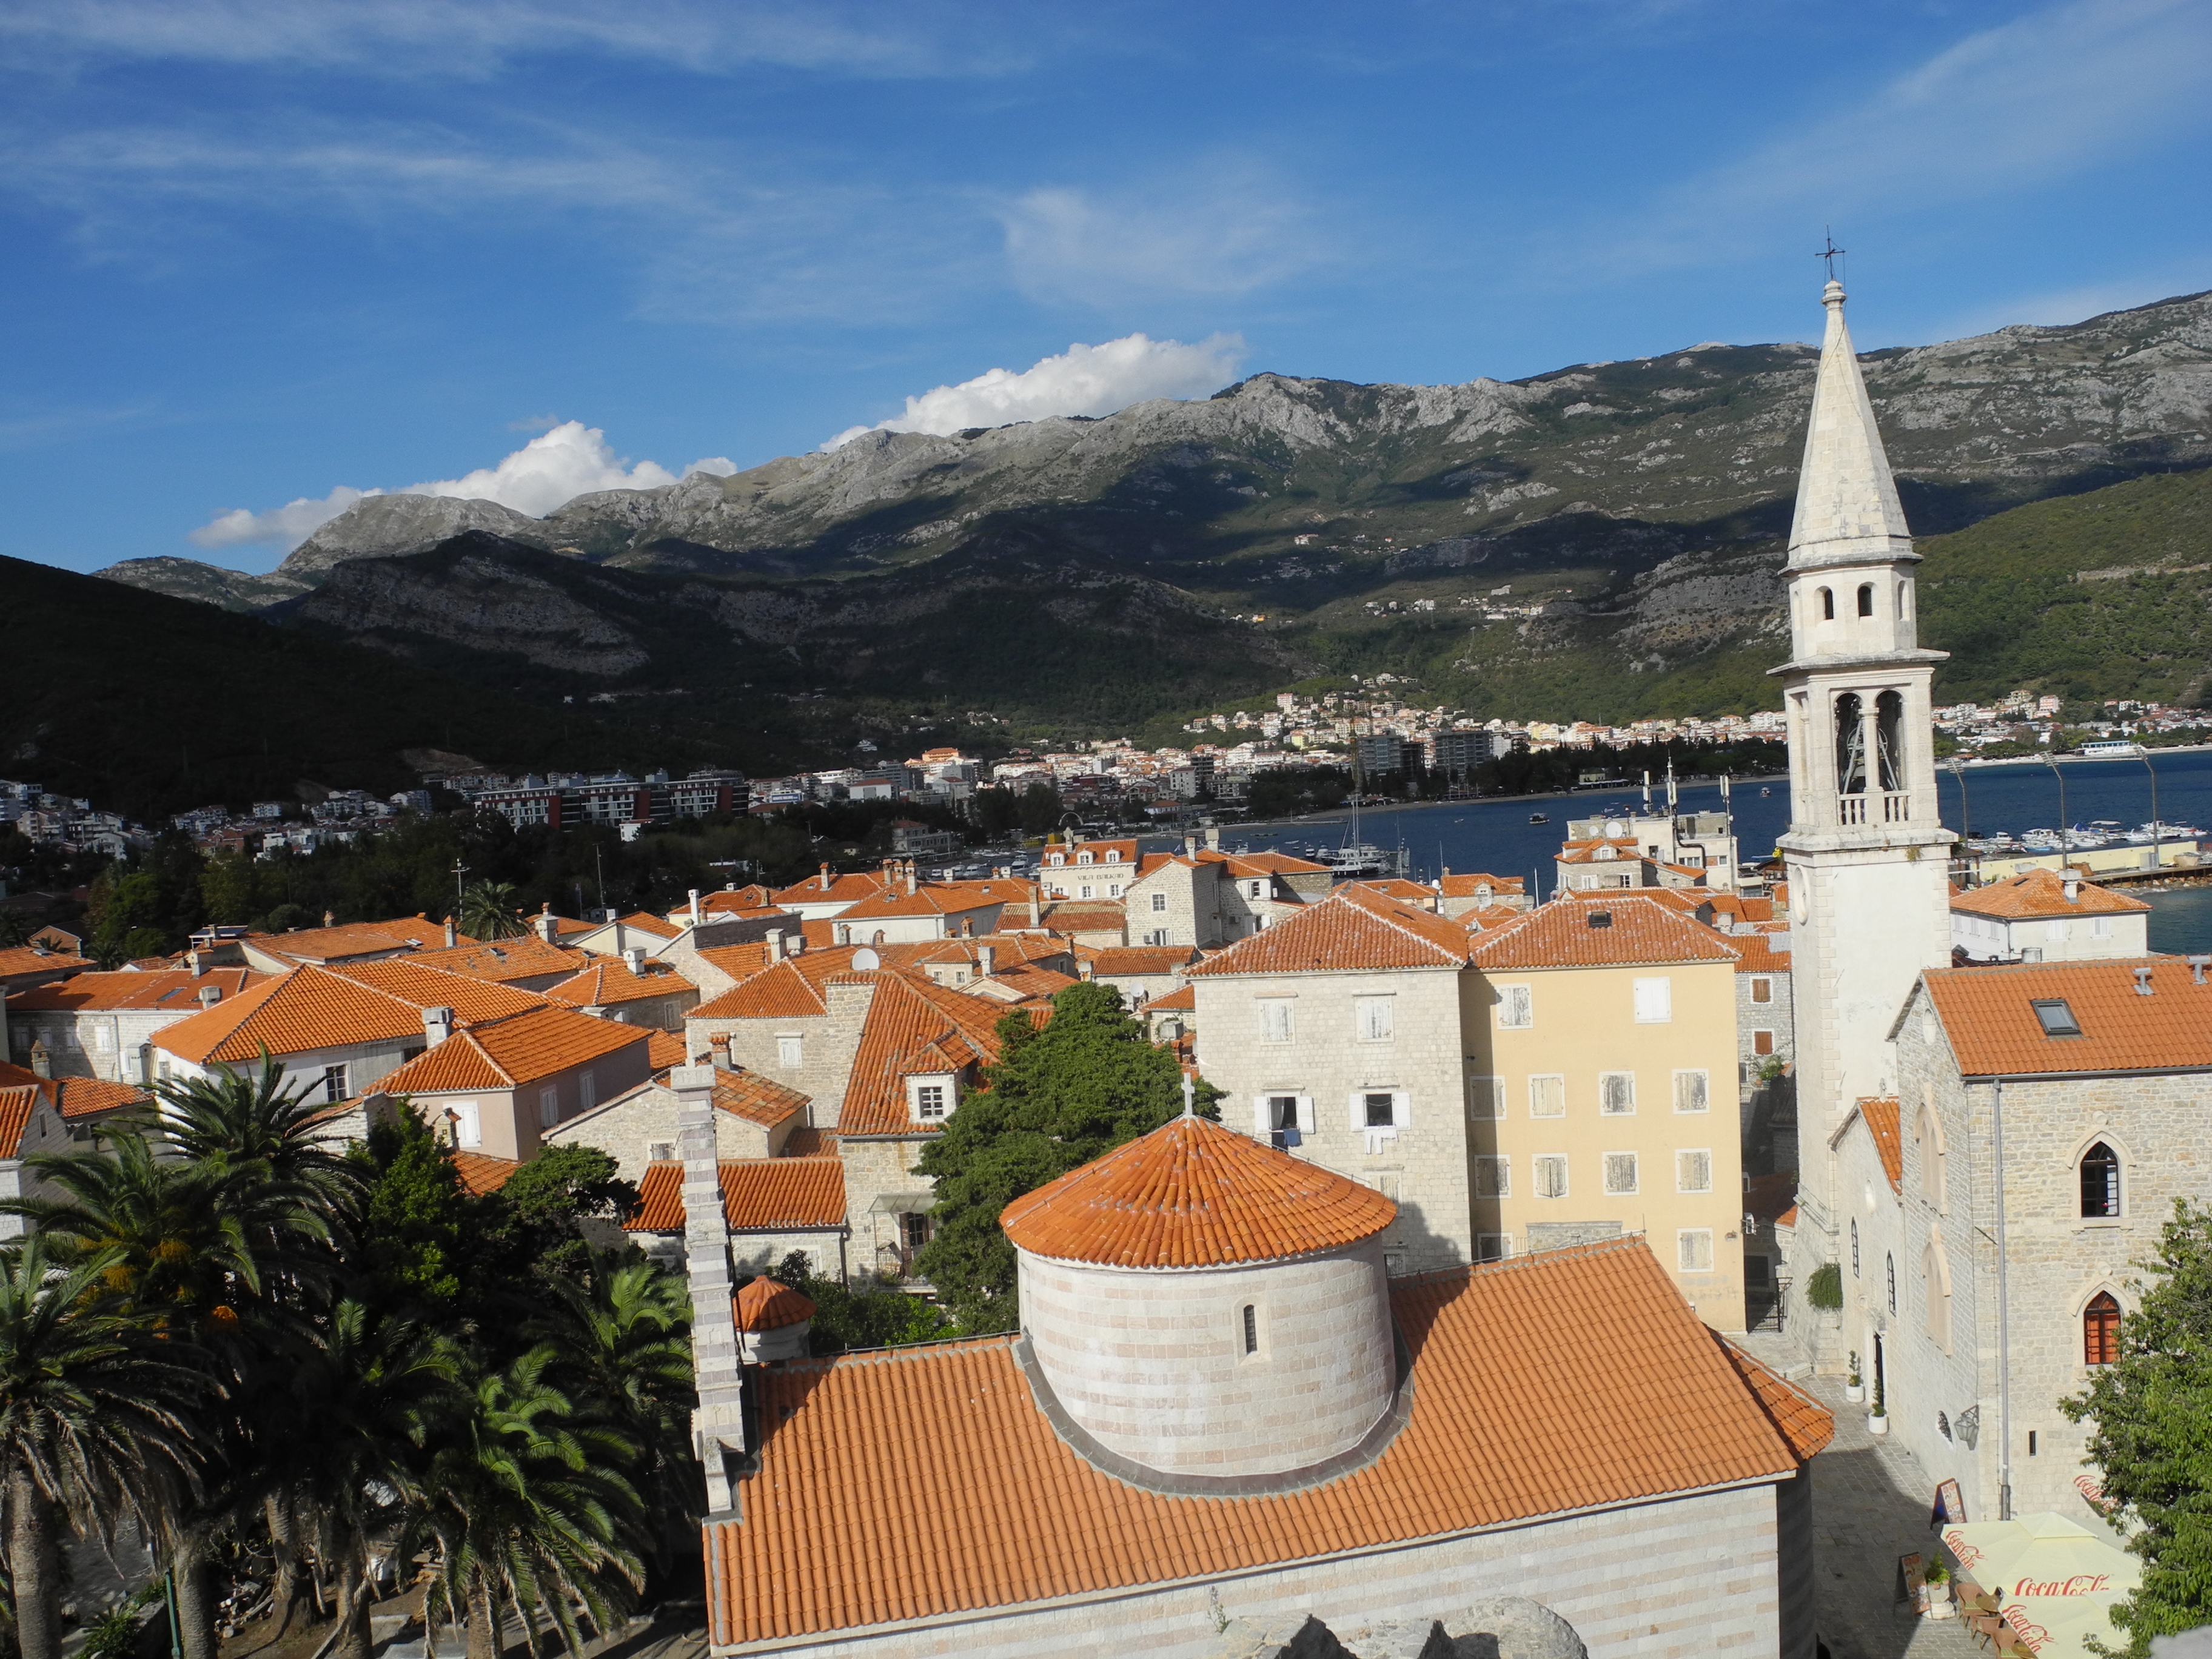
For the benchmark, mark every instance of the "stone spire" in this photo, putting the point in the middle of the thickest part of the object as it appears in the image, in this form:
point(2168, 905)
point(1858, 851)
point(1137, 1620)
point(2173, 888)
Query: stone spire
point(1847, 507)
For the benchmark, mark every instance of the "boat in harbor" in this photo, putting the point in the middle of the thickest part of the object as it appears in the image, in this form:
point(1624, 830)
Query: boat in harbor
point(1539, 817)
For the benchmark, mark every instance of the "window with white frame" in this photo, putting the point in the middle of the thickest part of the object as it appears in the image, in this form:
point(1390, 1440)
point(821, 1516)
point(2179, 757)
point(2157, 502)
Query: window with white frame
point(1376, 1018)
point(549, 1107)
point(1159, 903)
point(334, 1084)
point(1692, 1091)
point(1493, 1247)
point(1087, 891)
point(1485, 1099)
point(1157, 936)
point(1693, 1250)
point(1282, 1118)
point(1377, 1111)
point(1113, 889)
point(1516, 1007)
point(1274, 1019)
point(931, 1097)
point(1616, 1093)
point(464, 1122)
point(1550, 1172)
point(1693, 1171)
point(2100, 927)
point(1083, 858)
point(587, 1089)
point(1494, 1176)
point(1620, 1174)
point(2055, 930)
point(1655, 1001)
point(1547, 1094)
point(790, 1050)
point(1762, 988)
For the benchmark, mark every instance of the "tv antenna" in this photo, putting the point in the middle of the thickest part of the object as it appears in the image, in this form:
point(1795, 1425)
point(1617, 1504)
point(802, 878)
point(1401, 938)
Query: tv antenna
point(1830, 252)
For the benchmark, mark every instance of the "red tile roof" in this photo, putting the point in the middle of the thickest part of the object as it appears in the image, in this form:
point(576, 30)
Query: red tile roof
point(1642, 932)
point(1471, 886)
point(807, 1141)
point(173, 990)
point(481, 1173)
point(2035, 893)
point(665, 1049)
point(1182, 997)
point(17, 1102)
point(1140, 961)
point(506, 1054)
point(1801, 1419)
point(913, 1028)
point(1880, 1114)
point(420, 987)
point(20, 959)
point(74, 1096)
point(525, 958)
point(355, 938)
point(1194, 1194)
point(1755, 954)
point(1350, 930)
point(607, 983)
point(1988, 1014)
point(791, 989)
point(759, 1195)
point(757, 1099)
point(930, 899)
point(766, 1305)
point(850, 889)
point(1247, 865)
point(917, 1482)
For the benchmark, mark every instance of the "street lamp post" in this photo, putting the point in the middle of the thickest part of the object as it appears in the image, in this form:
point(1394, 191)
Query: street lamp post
point(1965, 810)
point(2064, 823)
point(2157, 829)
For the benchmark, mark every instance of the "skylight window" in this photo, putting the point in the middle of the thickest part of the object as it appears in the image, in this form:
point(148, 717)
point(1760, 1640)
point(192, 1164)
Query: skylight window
point(2057, 1016)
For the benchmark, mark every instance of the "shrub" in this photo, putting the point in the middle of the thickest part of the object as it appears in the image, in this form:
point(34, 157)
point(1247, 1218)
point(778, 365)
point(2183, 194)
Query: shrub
point(1825, 1289)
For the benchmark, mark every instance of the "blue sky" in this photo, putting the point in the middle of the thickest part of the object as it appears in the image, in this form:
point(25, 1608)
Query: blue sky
point(253, 253)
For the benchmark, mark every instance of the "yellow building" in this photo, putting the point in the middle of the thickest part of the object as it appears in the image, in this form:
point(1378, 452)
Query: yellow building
point(1604, 1099)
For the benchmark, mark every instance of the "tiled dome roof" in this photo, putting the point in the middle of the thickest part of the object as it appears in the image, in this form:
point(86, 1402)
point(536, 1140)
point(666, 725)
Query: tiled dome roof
point(1195, 1195)
point(765, 1305)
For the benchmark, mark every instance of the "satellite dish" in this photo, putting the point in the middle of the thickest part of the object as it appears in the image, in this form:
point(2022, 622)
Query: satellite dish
point(864, 957)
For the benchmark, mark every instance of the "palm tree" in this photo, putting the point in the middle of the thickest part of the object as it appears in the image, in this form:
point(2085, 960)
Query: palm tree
point(491, 909)
point(92, 1415)
point(623, 1344)
point(341, 1446)
point(525, 1511)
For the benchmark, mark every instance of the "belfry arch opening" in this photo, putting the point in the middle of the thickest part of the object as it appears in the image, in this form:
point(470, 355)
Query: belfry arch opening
point(1851, 745)
point(1828, 605)
point(1888, 737)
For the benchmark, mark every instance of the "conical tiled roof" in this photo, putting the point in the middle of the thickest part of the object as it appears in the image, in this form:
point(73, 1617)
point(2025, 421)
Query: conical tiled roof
point(1195, 1195)
point(765, 1305)
point(1847, 507)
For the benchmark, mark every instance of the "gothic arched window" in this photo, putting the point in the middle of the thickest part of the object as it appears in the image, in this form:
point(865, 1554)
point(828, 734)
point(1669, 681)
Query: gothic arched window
point(1888, 739)
point(1828, 605)
point(2100, 1182)
point(1855, 1247)
point(1866, 598)
point(2101, 1330)
point(1851, 745)
point(1935, 1286)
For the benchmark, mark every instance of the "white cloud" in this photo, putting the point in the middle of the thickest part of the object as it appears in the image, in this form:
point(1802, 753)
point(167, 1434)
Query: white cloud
point(1084, 379)
point(571, 460)
point(1228, 230)
point(290, 524)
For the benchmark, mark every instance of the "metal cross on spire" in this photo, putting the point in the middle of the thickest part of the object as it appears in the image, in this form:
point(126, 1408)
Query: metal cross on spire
point(1830, 252)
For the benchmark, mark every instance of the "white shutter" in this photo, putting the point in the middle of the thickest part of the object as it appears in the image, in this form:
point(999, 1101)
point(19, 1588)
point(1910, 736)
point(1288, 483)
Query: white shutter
point(1655, 1001)
point(1305, 1115)
point(1355, 1112)
point(1402, 1108)
point(1261, 1125)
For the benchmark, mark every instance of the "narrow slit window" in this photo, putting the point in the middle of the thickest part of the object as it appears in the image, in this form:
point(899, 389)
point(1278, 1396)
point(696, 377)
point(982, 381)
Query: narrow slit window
point(1251, 1329)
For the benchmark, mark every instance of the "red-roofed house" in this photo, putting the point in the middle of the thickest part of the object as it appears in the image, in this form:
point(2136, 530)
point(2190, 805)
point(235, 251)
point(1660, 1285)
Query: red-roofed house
point(102, 1026)
point(2042, 915)
point(772, 1205)
point(754, 1117)
point(496, 1086)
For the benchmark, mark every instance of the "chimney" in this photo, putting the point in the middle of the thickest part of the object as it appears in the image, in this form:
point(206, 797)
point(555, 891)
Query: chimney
point(825, 878)
point(548, 928)
point(1190, 847)
point(1213, 837)
point(453, 933)
point(718, 1425)
point(1036, 914)
point(196, 962)
point(2142, 982)
point(42, 1063)
point(910, 881)
point(695, 907)
point(719, 1056)
point(2073, 887)
point(633, 959)
point(775, 944)
point(329, 918)
point(621, 939)
point(1086, 969)
point(437, 1024)
point(2196, 967)
point(209, 995)
point(985, 961)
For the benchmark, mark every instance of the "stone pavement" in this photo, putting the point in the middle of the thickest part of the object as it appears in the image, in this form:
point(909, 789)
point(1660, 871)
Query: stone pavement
point(1870, 1503)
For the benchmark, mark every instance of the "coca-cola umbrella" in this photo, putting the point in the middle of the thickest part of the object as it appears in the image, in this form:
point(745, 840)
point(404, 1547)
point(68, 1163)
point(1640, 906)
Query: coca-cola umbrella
point(2055, 1580)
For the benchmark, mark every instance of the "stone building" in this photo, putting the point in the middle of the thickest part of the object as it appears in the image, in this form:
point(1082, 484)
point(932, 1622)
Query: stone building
point(754, 1117)
point(772, 1209)
point(1221, 1415)
point(2047, 1117)
point(496, 1086)
point(102, 1026)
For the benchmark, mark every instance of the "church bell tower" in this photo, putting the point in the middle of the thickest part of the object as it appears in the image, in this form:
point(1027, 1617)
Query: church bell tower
point(1867, 853)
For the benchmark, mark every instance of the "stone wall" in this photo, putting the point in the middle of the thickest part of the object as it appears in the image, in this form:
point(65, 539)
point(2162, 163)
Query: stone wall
point(1680, 1578)
point(629, 1129)
point(876, 1166)
point(828, 1042)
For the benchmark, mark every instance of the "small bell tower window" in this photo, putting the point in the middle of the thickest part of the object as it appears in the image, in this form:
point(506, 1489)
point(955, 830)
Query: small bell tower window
point(1866, 598)
point(1828, 605)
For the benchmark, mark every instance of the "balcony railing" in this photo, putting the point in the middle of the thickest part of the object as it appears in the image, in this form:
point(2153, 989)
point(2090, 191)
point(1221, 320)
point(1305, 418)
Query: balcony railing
point(1893, 806)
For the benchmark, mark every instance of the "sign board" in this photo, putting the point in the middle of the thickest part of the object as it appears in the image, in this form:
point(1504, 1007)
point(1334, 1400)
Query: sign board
point(1950, 1507)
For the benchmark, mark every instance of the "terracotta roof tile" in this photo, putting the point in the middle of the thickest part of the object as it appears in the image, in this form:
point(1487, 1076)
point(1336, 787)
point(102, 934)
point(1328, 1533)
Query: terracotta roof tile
point(508, 959)
point(757, 1099)
point(2038, 892)
point(1990, 1016)
point(17, 1102)
point(791, 989)
point(1880, 1114)
point(1755, 954)
point(353, 938)
point(665, 1049)
point(1268, 863)
point(766, 1305)
point(1349, 930)
point(1145, 960)
point(1801, 1420)
point(421, 986)
point(481, 1173)
point(175, 990)
point(1194, 1194)
point(1181, 998)
point(1471, 885)
point(1516, 1413)
point(1490, 915)
point(849, 888)
point(807, 1141)
point(74, 1096)
point(930, 899)
point(607, 983)
point(759, 1195)
point(18, 959)
point(506, 1054)
point(1560, 934)
point(910, 1018)
point(1409, 892)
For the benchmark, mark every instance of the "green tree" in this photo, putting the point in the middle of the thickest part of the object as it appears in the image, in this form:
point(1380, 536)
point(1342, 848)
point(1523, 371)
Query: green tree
point(263, 1145)
point(415, 1217)
point(1088, 1082)
point(2150, 1409)
point(533, 1226)
point(527, 1511)
point(848, 1316)
point(92, 1413)
point(491, 909)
